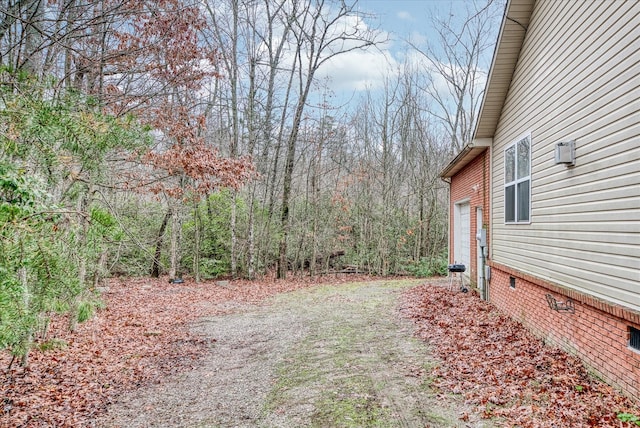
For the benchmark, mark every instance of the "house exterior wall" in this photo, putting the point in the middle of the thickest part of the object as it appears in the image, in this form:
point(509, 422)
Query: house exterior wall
point(472, 184)
point(577, 78)
point(596, 332)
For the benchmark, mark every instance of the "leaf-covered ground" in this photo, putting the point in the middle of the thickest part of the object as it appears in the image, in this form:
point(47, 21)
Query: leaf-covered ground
point(503, 370)
point(141, 336)
point(144, 334)
point(323, 357)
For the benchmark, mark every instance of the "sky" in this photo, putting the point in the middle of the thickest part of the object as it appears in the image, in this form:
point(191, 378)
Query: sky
point(403, 17)
point(401, 21)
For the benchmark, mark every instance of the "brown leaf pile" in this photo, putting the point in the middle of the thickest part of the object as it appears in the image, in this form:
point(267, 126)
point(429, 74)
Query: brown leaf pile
point(142, 336)
point(503, 370)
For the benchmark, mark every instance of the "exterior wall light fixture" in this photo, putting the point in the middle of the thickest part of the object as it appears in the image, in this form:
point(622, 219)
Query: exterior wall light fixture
point(566, 153)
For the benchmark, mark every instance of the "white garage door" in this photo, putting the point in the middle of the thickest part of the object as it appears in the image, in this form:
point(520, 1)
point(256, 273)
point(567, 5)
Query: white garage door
point(462, 234)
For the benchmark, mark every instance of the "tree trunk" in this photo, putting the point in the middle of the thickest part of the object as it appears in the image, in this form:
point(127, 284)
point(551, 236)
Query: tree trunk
point(34, 38)
point(196, 244)
point(176, 232)
point(83, 218)
point(81, 247)
point(251, 256)
point(26, 301)
point(155, 267)
point(234, 237)
point(100, 268)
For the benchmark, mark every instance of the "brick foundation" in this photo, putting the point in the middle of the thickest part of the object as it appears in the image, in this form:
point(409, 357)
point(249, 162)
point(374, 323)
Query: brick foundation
point(597, 332)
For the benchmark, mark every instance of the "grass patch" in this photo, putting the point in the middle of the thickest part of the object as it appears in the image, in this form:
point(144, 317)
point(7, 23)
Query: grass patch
point(353, 367)
point(352, 403)
point(52, 344)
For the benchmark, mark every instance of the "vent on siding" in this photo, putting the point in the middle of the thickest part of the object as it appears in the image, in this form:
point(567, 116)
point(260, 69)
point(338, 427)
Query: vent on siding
point(634, 338)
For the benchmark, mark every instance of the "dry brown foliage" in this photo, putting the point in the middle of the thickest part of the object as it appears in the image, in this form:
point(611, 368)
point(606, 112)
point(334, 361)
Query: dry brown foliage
point(498, 366)
point(142, 336)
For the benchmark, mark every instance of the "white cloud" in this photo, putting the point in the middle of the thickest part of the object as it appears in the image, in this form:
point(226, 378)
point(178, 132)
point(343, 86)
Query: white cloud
point(405, 16)
point(358, 70)
point(418, 39)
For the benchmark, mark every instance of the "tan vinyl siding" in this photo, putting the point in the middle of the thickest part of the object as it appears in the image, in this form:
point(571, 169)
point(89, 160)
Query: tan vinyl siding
point(577, 78)
point(505, 57)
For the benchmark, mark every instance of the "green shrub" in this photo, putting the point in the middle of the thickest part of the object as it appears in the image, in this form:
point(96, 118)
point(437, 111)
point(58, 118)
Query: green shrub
point(211, 268)
point(629, 418)
point(429, 267)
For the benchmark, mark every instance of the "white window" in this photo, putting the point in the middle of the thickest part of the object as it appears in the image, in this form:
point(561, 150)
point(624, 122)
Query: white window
point(517, 181)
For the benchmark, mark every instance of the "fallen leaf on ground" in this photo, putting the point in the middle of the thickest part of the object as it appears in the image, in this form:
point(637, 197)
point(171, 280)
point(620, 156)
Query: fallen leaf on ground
point(143, 335)
point(498, 366)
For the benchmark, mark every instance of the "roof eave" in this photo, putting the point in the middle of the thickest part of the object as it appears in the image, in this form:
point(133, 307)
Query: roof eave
point(505, 58)
point(468, 153)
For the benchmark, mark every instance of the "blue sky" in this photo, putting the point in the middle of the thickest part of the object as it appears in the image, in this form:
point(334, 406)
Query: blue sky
point(403, 17)
point(407, 19)
point(400, 20)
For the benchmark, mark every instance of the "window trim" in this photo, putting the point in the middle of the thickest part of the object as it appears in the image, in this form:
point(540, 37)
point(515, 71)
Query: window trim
point(517, 180)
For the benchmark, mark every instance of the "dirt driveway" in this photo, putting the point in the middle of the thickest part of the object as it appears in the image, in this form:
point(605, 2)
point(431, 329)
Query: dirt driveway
point(321, 357)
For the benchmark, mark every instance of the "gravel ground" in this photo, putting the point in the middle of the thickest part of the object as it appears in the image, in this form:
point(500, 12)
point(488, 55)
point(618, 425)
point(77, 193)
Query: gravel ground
point(329, 356)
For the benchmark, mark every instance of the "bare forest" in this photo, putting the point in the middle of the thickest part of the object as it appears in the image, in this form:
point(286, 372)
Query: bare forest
point(204, 139)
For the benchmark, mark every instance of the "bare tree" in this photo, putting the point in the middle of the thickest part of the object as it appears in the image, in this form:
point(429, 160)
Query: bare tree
point(321, 32)
point(456, 63)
